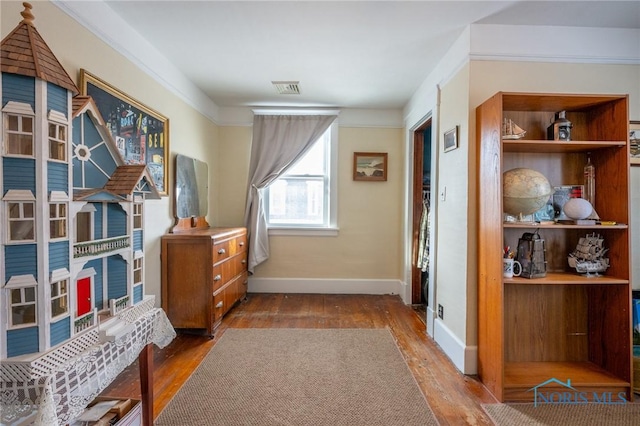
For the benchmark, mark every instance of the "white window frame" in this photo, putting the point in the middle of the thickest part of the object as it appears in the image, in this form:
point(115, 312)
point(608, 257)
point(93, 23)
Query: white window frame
point(57, 218)
point(138, 210)
point(60, 143)
point(22, 302)
point(19, 110)
point(60, 295)
point(21, 218)
point(138, 264)
point(330, 228)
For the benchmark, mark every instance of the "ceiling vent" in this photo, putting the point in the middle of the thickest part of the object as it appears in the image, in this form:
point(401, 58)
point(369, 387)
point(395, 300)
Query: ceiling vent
point(287, 87)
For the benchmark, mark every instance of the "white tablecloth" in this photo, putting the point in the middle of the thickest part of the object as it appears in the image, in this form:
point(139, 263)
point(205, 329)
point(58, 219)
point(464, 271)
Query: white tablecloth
point(61, 394)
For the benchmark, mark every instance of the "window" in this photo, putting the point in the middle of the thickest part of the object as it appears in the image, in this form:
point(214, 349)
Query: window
point(59, 298)
point(304, 197)
point(137, 216)
point(19, 134)
point(21, 221)
point(137, 271)
point(23, 306)
point(57, 220)
point(57, 141)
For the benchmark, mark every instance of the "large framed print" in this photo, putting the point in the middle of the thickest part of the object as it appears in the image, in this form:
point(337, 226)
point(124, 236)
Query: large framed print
point(141, 134)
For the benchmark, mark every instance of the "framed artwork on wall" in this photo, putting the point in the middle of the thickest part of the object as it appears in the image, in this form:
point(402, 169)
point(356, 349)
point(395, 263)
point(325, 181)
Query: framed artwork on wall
point(141, 134)
point(451, 139)
point(370, 166)
point(634, 142)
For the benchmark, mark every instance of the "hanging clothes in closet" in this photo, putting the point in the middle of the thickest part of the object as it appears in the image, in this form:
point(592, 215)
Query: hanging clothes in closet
point(423, 243)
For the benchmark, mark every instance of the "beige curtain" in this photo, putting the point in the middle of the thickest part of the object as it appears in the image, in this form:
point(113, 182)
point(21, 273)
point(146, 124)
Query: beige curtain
point(278, 142)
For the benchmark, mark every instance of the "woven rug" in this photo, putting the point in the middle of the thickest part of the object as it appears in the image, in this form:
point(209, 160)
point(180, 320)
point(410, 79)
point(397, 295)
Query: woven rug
point(564, 414)
point(301, 377)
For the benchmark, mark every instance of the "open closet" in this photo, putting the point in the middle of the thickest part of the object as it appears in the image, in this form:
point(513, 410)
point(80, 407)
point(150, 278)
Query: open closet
point(421, 214)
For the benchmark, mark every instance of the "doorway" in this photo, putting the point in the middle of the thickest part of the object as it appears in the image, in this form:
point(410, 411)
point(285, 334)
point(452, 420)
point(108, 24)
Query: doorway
point(421, 202)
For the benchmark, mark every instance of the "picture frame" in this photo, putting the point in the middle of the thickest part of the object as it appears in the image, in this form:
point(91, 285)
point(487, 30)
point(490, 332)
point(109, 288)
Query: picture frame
point(450, 140)
point(140, 133)
point(634, 143)
point(370, 166)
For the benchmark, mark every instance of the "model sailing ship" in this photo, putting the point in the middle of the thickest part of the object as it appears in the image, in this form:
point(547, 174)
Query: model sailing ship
point(588, 257)
point(511, 130)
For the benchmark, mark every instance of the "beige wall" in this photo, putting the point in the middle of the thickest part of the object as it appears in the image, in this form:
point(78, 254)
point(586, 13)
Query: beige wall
point(453, 234)
point(190, 132)
point(369, 216)
point(233, 174)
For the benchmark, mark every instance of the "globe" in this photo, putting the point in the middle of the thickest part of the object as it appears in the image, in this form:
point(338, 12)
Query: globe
point(524, 191)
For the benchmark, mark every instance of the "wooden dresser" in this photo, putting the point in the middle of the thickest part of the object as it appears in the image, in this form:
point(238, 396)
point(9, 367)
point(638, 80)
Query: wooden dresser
point(204, 274)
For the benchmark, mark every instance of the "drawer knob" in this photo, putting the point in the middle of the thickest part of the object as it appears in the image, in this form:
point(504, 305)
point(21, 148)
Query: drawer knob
point(220, 304)
point(243, 261)
point(241, 243)
point(217, 277)
point(222, 251)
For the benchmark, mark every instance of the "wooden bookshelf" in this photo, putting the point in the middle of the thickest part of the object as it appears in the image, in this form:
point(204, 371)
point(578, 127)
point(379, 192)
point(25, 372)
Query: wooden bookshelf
point(564, 326)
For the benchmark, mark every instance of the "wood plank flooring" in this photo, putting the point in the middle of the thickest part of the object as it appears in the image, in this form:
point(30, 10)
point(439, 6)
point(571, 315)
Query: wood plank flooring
point(454, 398)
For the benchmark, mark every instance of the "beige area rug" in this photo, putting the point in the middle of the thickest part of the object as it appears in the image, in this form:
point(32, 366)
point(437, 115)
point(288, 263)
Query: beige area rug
point(564, 414)
point(301, 377)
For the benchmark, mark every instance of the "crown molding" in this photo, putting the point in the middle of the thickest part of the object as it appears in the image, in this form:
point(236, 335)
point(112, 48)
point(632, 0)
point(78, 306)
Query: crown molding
point(105, 24)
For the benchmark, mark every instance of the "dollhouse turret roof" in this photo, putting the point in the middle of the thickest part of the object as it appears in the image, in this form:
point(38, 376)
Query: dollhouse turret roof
point(25, 52)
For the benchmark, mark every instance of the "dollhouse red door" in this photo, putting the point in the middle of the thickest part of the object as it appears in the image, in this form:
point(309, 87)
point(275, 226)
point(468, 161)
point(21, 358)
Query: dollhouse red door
point(83, 287)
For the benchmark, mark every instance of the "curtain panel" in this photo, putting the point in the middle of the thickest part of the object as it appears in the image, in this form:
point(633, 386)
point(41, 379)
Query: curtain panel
point(278, 142)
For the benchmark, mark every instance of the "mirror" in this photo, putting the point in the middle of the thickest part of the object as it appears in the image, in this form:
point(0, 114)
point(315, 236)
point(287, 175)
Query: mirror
point(192, 187)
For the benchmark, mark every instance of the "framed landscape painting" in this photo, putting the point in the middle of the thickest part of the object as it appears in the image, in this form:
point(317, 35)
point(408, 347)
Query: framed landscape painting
point(370, 166)
point(141, 134)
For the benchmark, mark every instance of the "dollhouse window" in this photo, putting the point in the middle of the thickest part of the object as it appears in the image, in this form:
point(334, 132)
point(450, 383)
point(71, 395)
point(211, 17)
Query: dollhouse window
point(57, 141)
point(21, 220)
point(137, 271)
point(59, 298)
point(19, 134)
point(137, 216)
point(57, 220)
point(23, 306)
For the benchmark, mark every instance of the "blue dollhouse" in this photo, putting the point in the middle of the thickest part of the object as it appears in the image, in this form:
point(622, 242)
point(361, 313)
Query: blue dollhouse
point(71, 211)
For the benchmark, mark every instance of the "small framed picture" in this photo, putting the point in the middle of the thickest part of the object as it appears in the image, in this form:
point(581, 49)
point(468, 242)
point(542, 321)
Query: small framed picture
point(451, 139)
point(370, 166)
point(634, 142)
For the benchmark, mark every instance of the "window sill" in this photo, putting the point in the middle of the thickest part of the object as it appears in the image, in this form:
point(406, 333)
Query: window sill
point(306, 232)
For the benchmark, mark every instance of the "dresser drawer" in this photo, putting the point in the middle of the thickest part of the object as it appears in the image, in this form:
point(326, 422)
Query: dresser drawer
point(228, 248)
point(223, 272)
point(219, 306)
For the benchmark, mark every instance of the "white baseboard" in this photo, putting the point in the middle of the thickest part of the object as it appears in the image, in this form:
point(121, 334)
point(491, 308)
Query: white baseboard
point(324, 286)
point(431, 320)
point(465, 358)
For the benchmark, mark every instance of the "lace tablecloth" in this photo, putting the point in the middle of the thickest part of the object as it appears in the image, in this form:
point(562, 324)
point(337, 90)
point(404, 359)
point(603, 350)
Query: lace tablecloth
point(59, 393)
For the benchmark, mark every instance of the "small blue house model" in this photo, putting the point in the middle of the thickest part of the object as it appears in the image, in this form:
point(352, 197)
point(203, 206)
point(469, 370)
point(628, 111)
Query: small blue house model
point(71, 211)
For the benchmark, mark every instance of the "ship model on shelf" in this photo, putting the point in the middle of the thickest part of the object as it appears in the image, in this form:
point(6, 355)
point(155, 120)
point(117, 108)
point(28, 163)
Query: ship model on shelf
point(588, 257)
point(511, 130)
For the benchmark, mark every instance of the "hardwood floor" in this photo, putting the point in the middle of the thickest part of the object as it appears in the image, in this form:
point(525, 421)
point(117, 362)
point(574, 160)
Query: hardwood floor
point(454, 398)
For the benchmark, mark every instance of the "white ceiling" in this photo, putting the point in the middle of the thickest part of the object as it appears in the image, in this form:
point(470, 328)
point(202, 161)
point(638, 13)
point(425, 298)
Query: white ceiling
point(350, 54)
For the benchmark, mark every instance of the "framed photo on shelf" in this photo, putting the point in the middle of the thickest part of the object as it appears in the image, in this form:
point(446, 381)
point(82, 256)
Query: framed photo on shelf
point(634, 142)
point(370, 166)
point(141, 134)
point(451, 139)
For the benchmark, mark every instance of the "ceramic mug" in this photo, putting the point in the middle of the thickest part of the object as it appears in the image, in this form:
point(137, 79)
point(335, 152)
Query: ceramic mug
point(509, 267)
